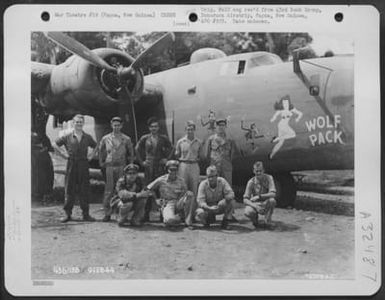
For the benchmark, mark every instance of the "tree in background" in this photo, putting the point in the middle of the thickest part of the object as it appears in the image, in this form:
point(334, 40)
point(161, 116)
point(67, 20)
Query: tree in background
point(282, 44)
point(42, 49)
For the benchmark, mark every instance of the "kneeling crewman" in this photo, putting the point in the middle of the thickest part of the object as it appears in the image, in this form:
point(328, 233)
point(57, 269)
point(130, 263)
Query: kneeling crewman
point(215, 197)
point(130, 196)
point(175, 201)
point(259, 196)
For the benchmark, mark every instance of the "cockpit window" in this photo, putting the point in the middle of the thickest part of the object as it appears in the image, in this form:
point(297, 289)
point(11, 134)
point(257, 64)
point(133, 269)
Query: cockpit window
point(236, 67)
point(263, 60)
point(241, 67)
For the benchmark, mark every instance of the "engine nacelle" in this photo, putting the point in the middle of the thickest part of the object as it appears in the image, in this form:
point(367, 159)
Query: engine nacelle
point(76, 86)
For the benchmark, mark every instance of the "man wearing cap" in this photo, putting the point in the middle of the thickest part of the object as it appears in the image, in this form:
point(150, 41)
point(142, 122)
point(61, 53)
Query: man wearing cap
point(77, 180)
point(220, 151)
point(215, 197)
point(259, 196)
point(115, 151)
point(129, 196)
point(175, 200)
point(188, 149)
point(153, 150)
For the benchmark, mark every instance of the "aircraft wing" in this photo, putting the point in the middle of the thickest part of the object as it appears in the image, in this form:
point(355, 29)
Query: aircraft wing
point(40, 76)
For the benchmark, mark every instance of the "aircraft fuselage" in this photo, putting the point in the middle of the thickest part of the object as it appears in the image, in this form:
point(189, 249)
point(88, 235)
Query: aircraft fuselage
point(321, 139)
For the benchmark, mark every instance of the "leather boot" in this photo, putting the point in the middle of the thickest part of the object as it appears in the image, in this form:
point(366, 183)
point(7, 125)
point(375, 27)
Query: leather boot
point(66, 219)
point(88, 218)
point(225, 224)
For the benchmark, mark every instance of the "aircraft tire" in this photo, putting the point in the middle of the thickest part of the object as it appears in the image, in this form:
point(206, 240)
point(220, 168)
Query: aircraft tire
point(286, 189)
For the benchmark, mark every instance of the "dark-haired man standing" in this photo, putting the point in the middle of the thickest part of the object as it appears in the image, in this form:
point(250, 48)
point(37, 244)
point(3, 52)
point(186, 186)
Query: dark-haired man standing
point(153, 151)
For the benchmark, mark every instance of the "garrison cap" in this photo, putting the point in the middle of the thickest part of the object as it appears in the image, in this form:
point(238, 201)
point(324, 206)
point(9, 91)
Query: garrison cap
point(221, 121)
point(116, 119)
point(190, 123)
point(172, 163)
point(131, 167)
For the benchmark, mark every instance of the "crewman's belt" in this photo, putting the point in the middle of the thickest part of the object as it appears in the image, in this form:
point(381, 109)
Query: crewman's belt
point(115, 164)
point(188, 161)
point(77, 159)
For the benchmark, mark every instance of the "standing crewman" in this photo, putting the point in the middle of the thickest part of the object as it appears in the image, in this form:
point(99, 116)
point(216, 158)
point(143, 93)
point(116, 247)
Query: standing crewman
point(176, 201)
point(115, 151)
point(259, 196)
point(153, 151)
point(220, 151)
point(188, 149)
point(215, 197)
point(77, 179)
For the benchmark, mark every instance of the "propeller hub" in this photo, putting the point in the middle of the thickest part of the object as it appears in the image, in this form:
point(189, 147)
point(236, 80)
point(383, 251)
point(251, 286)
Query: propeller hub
point(124, 77)
point(125, 74)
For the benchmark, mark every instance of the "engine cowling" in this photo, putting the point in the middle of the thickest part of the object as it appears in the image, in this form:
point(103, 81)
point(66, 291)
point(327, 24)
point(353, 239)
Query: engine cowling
point(76, 86)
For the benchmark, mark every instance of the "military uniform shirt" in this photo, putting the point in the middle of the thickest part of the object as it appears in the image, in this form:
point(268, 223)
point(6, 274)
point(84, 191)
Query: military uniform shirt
point(115, 149)
point(188, 150)
point(124, 184)
point(260, 186)
point(149, 149)
point(210, 196)
point(221, 149)
point(169, 190)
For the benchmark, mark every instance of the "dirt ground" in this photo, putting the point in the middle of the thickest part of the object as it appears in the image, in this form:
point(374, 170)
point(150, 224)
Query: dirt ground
point(303, 245)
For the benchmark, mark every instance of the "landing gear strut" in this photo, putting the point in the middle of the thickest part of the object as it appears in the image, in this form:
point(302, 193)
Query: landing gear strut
point(286, 189)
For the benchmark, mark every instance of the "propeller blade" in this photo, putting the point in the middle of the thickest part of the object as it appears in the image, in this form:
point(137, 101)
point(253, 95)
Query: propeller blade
point(127, 106)
point(79, 49)
point(155, 49)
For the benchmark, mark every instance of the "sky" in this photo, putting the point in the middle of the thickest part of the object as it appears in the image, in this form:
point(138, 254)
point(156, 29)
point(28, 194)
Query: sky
point(339, 44)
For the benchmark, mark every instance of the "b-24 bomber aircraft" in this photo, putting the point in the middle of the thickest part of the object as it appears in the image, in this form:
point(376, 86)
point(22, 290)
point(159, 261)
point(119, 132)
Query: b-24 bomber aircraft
point(293, 116)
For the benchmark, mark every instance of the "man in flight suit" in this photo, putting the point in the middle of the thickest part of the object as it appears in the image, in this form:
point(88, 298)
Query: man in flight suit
point(77, 179)
point(115, 151)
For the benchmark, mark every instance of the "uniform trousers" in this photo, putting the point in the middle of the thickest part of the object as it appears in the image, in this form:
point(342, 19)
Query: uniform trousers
point(76, 183)
point(136, 206)
point(264, 208)
point(174, 210)
point(190, 173)
point(113, 173)
point(152, 171)
point(225, 170)
point(224, 207)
